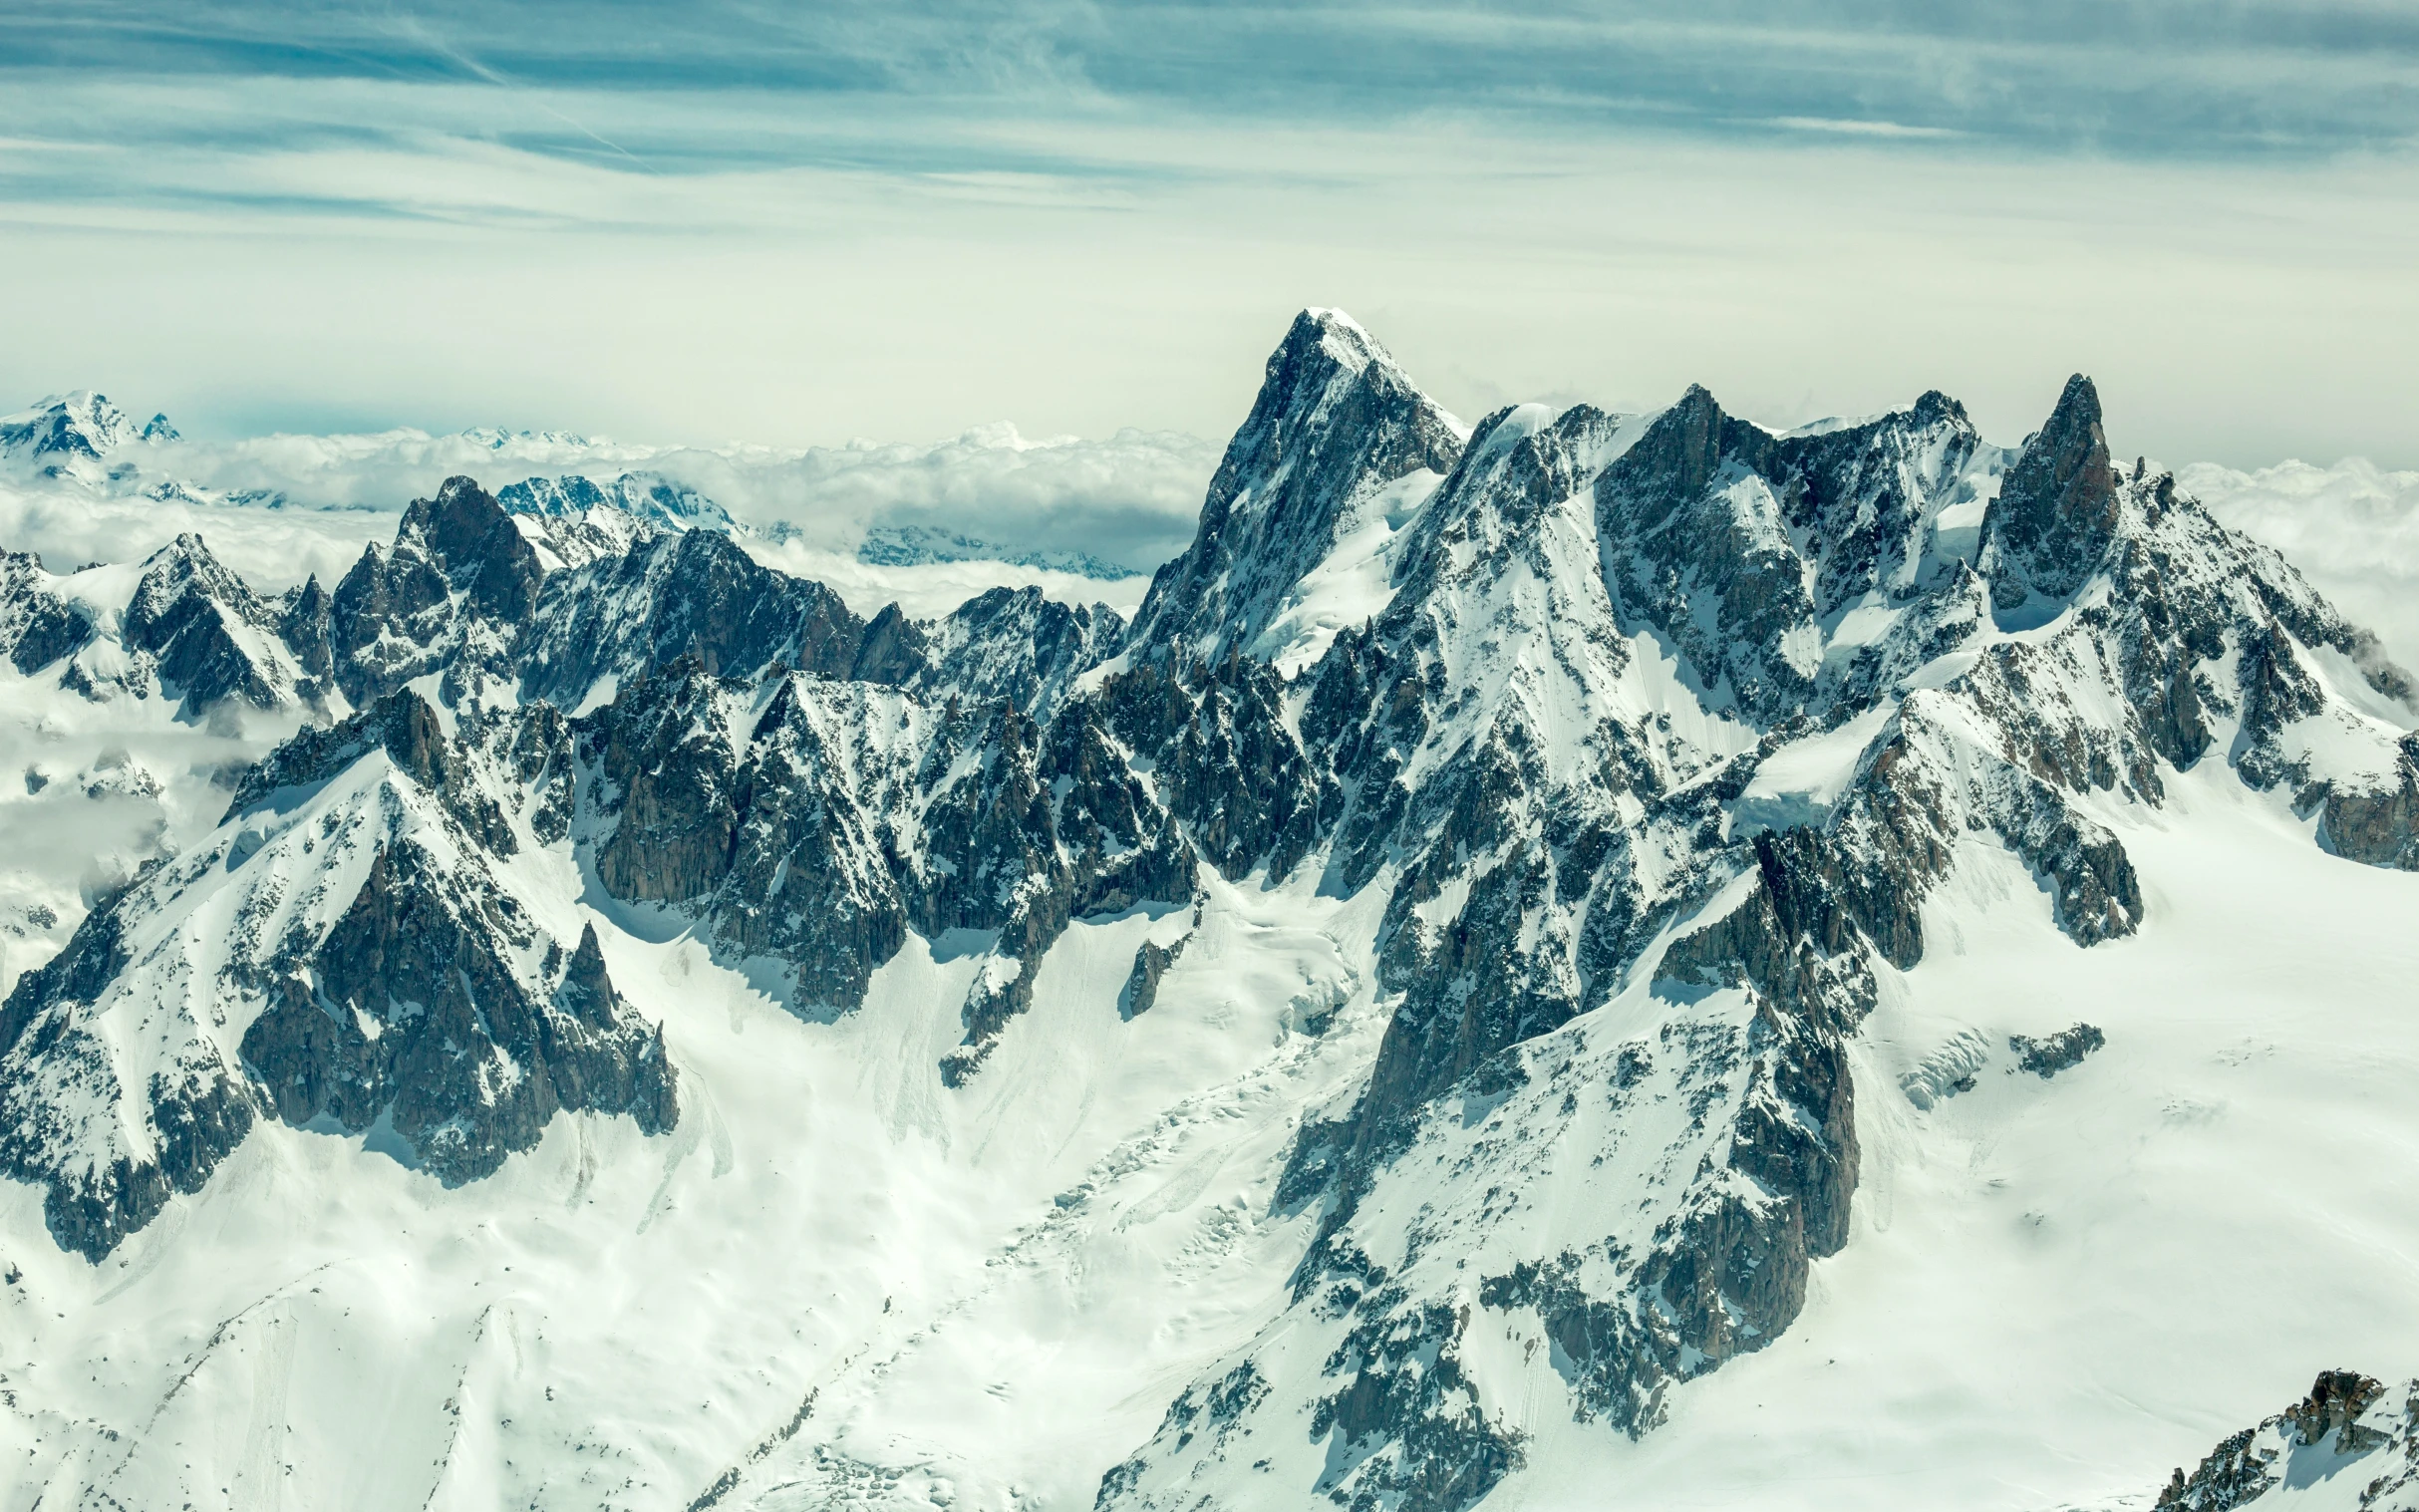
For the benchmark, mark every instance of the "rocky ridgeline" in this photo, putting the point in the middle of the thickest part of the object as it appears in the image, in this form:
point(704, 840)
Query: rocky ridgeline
point(1598, 634)
point(2358, 1435)
point(345, 953)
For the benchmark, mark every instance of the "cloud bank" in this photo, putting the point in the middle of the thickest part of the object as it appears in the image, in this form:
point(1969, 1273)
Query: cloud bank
point(2352, 530)
point(280, 509)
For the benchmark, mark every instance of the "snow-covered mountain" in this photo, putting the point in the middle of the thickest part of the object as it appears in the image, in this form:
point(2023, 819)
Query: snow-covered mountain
point(74, 435)
point(919, 546)
point(1537, 931)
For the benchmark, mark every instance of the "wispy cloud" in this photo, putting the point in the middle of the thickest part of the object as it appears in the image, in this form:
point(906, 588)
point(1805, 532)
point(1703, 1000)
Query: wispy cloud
point(736, 218)
point(1862, 128)
point(2150, 77)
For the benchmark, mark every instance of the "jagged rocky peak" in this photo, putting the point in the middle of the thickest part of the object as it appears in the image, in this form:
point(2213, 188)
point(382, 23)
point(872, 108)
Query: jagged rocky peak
point(65, 429)
point(347, 952)
point(38, 624)
point(2057, 511)
point(473, 539)
point(208, 635)
point(696, 593)
point(1336, 421)
point(1015, 645)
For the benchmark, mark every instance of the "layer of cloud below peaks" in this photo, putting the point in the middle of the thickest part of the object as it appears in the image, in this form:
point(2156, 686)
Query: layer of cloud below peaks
point(1128, 500)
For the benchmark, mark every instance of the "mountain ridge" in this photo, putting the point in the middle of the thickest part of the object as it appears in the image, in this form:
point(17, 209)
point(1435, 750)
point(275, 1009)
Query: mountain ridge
point(1649, 742)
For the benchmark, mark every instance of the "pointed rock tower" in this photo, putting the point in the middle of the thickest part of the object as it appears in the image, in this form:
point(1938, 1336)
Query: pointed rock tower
point(1336, 421)
point(2057, 513)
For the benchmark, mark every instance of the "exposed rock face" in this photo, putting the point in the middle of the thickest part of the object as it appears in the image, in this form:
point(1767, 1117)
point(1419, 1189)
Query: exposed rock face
point(2376, 822)
point(209, 637)
point(452, 594)
point(1007, 645)
point(2057, 514)
point(1151, 963)
point(2050, 1055)
point(344, 949)
point(816, 822)
point(37, 626)
point(1336, 421)
point(2346, 1417)
point(1690, 525)
point(408, 1016)
point(694, 594)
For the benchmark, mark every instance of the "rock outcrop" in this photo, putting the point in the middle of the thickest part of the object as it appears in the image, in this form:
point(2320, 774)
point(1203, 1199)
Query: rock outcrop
point(2357, 1432)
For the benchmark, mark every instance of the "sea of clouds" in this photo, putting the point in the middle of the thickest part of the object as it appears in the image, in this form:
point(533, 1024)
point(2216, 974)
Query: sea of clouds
point(280, 509)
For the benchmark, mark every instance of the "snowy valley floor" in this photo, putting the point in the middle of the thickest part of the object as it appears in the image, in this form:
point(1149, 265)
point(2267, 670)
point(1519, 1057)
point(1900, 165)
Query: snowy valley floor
point(839, 1284)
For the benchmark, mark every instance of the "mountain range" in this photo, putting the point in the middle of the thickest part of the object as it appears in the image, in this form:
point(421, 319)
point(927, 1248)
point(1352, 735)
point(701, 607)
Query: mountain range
point(1532, 930)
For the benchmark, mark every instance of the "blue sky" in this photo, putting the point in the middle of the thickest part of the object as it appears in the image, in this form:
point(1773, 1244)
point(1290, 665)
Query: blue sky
point(792, 224)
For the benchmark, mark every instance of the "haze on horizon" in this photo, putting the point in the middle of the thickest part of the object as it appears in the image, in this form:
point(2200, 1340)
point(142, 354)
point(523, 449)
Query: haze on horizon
point(717, 224)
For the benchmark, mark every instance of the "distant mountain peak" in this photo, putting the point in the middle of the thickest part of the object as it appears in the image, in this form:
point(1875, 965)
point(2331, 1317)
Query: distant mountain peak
point(499, 438)
point(65, 429)
point(921, 545)
point(649, 497)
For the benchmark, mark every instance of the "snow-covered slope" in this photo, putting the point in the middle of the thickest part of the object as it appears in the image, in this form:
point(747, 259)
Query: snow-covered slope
point(1549, 952)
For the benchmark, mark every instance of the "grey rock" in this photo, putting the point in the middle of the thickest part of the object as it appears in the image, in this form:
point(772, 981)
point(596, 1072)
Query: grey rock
point(200, 624)
point(2056, 514)
point(37, 626)
point(411, 1015)
point(2050, 1055)
point(2377, 824)
point(1151, 963)
point(696, 594)
point(1335, 420)
point(2347, 1417)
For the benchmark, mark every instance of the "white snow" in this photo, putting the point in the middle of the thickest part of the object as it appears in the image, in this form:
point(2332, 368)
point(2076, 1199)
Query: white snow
point(2056, 1292)
point(1353, 584)
point(998, 1287)
point(839, 1283)
point(1799, 783)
